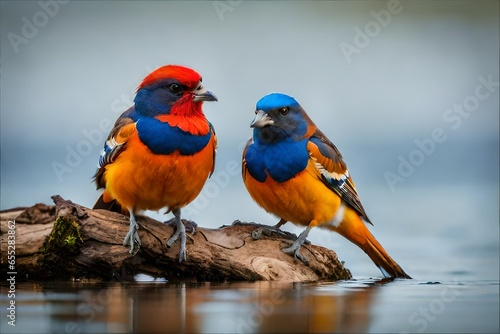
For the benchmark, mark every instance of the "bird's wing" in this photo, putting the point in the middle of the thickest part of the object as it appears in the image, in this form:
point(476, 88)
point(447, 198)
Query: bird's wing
point(121, 132)
point(214, 136)
point(244, 168)
point(333, 170)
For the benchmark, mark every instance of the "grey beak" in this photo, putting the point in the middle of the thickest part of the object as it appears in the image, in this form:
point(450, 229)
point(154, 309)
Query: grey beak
point(201, 94)
point(261, 119)
point(205, 96)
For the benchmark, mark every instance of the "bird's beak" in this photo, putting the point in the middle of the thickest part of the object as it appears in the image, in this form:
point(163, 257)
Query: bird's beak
point(261, 119)
point(201, 94)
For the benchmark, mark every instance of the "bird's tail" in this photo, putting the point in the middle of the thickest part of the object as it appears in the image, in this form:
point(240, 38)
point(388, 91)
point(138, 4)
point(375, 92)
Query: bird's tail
point(108, 204)
point(355, 230)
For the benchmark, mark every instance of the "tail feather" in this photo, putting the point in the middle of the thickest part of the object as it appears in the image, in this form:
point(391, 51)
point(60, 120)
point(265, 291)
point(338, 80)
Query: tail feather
point(379, 256)
point(356, 231)
point(111, 205)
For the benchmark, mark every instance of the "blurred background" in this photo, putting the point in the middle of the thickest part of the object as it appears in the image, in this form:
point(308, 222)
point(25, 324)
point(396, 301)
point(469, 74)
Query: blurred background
point(407, 91)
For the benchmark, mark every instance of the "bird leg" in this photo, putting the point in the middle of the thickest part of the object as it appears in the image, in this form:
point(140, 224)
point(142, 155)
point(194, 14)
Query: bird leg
point(295, 247)
point(180, 230)
point(132, 236)
point(189, 225)
point(269, 231)
point(280, 223)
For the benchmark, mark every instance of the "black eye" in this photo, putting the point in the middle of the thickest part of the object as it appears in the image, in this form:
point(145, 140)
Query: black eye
point(175, 88)
point(284, 111)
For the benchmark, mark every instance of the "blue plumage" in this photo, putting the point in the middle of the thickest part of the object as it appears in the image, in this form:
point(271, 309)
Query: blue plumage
point(282, 160)
point(156, 99)
point(276, 100)
point(161, 138)
point(278, 151)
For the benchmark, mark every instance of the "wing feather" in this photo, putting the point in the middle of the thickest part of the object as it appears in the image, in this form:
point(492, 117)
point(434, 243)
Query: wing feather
point(214, 136)
point(244, 167)
point(333, 170)
point(114, 145)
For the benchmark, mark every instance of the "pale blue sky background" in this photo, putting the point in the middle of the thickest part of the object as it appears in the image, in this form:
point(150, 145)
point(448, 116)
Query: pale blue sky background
point(81, 65)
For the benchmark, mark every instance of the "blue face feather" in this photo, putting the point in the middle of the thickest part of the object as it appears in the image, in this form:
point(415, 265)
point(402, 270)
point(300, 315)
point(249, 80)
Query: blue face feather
point(276, 100)
point(284, 118)
point(157, 99)
point(279, 147)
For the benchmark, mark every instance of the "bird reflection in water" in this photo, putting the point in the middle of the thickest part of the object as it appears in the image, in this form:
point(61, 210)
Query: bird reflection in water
point(262, 307)
point(163, 307)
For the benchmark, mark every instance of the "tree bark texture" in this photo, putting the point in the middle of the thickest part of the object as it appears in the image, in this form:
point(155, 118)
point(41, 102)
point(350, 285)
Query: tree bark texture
point(67, 241)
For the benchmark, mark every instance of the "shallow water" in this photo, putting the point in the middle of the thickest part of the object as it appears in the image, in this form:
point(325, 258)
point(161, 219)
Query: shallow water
point(263, 307)
point(455, 285)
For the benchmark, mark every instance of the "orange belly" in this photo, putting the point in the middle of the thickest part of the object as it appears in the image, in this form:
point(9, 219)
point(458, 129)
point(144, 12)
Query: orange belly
point(142, 180)
point(299, 200)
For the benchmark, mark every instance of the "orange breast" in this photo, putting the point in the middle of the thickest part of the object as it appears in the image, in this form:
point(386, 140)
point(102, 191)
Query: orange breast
point(298, 200)
point(145, 181)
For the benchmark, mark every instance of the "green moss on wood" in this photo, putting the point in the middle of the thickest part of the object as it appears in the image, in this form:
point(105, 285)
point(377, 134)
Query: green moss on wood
point(64, 239)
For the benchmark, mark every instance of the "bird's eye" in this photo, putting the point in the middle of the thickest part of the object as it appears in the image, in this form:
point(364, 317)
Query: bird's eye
point(175, 88)
point(284, 111)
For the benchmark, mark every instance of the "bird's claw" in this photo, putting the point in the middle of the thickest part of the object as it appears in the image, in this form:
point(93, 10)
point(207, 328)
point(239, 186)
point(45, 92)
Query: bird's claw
point(296, 253)
point(189, 225)
point(297, 245)
point(131, 239)
point(172, 239)
point(182, 252)
point(180, 230)
point(182, 256)
point(270, 230)
point(237, 222)
point(256, 234)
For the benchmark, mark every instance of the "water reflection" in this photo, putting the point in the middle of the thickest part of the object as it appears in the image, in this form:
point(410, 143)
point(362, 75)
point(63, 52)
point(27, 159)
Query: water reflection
point(192, 308)
point(247, 308)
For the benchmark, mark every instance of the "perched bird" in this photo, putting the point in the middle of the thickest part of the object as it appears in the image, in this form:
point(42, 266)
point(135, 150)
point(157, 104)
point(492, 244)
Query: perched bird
point(291, 169)
point(160, 152)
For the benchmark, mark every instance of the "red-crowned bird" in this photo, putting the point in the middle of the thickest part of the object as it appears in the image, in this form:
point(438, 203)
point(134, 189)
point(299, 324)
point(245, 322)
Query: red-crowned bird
point(160, 152)
point(291, 169)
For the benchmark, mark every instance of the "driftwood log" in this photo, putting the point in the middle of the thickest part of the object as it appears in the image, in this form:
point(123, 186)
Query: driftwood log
point(70, 242)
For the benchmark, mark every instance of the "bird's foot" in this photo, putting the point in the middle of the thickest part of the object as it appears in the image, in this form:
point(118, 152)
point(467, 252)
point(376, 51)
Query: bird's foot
point(295, 250)
point(180, 230)
point(270, 231)
point(189, 225)
point(132, 238)
point(297, 244)
point(266, 230)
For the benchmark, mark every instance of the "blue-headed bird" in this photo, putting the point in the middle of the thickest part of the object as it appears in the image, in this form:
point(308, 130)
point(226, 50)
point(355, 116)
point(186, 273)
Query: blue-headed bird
point(160, 152)
point(292, 170)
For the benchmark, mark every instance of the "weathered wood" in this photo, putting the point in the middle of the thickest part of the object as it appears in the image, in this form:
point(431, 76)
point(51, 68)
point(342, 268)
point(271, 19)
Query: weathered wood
point(69, 241)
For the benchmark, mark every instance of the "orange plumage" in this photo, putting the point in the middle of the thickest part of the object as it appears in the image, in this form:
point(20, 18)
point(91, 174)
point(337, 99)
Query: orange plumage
point(161, 151)
point(293, 171)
